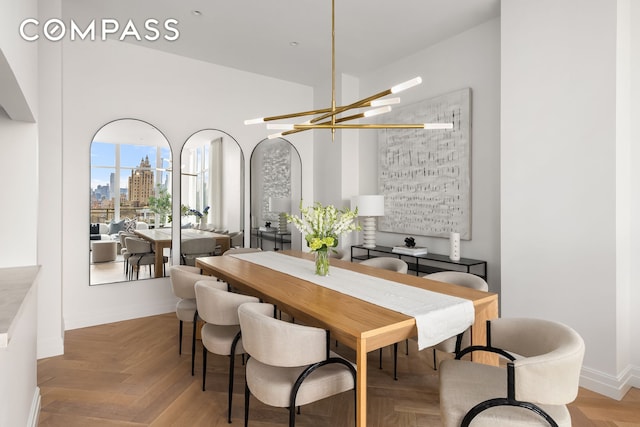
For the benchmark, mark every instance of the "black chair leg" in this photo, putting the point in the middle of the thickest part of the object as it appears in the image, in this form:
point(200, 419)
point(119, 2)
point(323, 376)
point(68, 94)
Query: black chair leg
point(193, 343)
point(435, 367)
point(247, 394)
point(204, 365)
point(231, 370)
point(180, 342)
point(292, 416)
point(395, 361)
point(380, 357)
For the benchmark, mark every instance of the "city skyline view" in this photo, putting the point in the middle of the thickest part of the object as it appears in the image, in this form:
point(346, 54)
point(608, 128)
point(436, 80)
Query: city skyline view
point(103, 161)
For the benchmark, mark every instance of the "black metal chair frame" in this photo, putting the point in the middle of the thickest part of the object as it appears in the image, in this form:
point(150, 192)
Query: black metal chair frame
point(510, 400)
point(296, 386)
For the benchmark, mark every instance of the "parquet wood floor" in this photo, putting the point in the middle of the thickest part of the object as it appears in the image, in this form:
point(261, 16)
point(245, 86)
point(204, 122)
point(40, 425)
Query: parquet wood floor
point(130, 374)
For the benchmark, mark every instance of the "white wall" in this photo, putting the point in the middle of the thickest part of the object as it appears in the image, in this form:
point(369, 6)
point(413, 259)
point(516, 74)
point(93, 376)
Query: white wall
point(634, 300)
point(19, 213)
point(470, 59)
point(562, 196)
point(21, 56)
point(105, 81)
point(18, 141)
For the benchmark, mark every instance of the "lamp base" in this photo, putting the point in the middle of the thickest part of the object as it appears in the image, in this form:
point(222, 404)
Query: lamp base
point(369, 232)
point(282, 223)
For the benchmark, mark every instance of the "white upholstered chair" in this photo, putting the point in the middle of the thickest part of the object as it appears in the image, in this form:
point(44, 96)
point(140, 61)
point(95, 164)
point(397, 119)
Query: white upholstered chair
point(221, 332)
point(539, 380)
point(392, 264)
point(467, 280)
point(289, 365)
point(193, 248)
point(140, 253)
point(388, 263)
point(183, 281)
point(336, 253)
point(232, 251)
point(236, 239)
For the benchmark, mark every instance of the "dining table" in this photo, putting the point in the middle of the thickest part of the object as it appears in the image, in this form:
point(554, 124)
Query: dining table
point(358, 322)
point(161, 238)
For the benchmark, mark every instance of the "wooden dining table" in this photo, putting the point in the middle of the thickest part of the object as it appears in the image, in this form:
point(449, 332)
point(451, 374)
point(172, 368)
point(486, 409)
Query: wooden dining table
point(160, 238)
point(358, 324)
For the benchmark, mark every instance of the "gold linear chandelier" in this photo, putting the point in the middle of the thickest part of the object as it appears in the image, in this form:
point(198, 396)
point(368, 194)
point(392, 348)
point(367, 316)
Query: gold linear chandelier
point(330, 115)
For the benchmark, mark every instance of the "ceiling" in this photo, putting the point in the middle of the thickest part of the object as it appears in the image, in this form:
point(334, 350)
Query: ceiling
point(256, 35)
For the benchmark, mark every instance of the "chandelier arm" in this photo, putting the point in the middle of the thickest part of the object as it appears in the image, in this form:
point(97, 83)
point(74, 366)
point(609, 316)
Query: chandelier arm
point(340, 120)
point(358, 104)
point(366, 126)
point(363, 104)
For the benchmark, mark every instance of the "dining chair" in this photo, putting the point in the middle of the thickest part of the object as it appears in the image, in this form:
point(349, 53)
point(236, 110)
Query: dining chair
point(232, 251)
point(123, 248)
point(460, 278)
point(290, 365)
point(220, 334)
point(183, 280)
point(140, 254)
point(541, 376)
point(193, 248)
point(236, 239)
point(336, 253)
point(400, 266)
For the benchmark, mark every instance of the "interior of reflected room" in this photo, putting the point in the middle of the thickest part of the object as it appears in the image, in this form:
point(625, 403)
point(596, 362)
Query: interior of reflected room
point(212, 182)
point(276, 190)
point(131, 169)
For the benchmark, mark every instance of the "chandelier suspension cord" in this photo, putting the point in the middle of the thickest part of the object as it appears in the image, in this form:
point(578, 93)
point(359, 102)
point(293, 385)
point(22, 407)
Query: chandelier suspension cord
point(333, 68)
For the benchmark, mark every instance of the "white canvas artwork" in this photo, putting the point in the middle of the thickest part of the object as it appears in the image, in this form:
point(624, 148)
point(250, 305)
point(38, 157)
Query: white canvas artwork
point(424, 174)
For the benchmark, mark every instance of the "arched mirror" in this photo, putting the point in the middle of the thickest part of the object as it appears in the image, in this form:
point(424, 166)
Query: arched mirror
point(130, 199)
point(211, 195)
point(276, 189)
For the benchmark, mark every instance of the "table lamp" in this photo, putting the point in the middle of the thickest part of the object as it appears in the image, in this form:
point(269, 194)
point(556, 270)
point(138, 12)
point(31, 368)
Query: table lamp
point(369, 207)
point(282, 206)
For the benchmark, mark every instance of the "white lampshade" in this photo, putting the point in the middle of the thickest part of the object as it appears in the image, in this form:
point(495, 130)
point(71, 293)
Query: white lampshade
point(369, 205)
point(279, 204)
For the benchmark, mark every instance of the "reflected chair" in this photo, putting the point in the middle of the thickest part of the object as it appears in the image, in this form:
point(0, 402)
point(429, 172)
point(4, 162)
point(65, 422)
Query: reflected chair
point(221, 332)
point(460, 278)
point(183, 280)
point(241, 251)
point(541, 376)
point(193, 248)
point(123, 249)
point(290, 365)
point(140, 254)
point(236, 239)
point(392, 264)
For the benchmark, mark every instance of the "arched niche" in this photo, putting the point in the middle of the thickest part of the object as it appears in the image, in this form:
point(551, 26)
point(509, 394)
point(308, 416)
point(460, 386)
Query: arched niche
point(276, 185)
point(212, 185)
point(130, 190)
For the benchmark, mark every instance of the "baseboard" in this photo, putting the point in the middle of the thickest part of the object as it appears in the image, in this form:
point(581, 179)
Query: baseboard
point(119, 314)
point(611, 386)
point(34, 411)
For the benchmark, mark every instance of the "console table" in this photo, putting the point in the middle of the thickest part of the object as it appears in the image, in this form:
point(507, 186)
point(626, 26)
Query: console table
point(272, 235)
point(424, 264)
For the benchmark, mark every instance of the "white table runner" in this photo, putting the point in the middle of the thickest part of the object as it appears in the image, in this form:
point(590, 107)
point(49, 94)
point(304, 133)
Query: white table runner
point(438, 316)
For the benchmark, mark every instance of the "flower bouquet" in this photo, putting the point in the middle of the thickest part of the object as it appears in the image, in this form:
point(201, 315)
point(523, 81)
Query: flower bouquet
point(321, 226)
